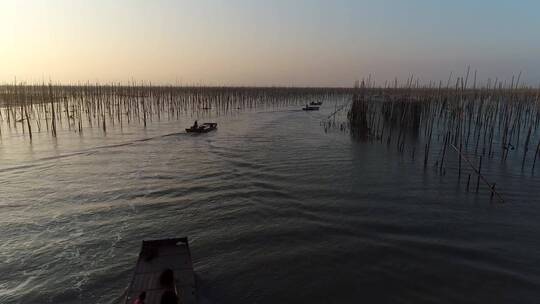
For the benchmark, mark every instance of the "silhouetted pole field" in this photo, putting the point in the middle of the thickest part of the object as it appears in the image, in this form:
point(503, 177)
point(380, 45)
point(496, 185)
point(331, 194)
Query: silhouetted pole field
point(51, 107)
point(486, 123)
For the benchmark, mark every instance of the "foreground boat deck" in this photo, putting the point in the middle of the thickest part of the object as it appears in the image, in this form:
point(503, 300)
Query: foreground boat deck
point(156, 256)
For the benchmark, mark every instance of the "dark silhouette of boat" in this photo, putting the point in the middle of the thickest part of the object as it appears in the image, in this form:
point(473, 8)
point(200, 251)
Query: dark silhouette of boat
point(160, 258)
point(316, 103)
point(203, 128)
point(310, 108)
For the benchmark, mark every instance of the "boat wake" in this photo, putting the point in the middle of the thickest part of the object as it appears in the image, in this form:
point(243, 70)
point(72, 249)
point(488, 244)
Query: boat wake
point(89, 151)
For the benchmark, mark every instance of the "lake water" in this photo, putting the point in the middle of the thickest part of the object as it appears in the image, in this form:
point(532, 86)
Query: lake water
point(276, 210)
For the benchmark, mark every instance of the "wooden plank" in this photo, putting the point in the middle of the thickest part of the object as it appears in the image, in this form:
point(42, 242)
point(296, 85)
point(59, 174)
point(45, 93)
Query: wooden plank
point(149, 281)
point(160, 263)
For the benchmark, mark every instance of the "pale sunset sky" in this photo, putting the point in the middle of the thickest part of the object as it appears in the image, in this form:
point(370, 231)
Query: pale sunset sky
point(283, 42)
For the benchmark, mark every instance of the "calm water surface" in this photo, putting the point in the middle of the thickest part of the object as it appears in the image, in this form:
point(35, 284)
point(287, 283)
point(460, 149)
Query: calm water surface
point(277, 211)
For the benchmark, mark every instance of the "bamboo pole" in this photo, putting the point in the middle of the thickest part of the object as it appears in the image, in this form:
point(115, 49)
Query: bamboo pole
point(480, 176)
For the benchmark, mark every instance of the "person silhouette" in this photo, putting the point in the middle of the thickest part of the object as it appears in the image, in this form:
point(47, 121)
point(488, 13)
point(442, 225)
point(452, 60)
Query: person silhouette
point(140, 299)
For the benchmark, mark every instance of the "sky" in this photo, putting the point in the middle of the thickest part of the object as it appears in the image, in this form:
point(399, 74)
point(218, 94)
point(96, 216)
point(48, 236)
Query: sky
point(267, 43)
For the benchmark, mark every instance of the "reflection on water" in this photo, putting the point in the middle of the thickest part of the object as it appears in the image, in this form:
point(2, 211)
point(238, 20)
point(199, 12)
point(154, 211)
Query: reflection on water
point(276, 209)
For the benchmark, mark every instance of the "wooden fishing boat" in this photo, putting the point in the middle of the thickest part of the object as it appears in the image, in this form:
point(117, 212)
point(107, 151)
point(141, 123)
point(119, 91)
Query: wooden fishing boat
point(157, 256)
point(316, 103)
point(203, 128)
point(310, 108)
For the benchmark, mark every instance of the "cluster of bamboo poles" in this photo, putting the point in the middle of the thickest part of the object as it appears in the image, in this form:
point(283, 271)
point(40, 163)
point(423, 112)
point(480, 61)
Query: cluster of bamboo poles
point(49, 108)
point(487, 123)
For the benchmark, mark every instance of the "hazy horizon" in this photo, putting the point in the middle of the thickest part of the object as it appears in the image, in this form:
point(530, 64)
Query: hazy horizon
point(254, 43)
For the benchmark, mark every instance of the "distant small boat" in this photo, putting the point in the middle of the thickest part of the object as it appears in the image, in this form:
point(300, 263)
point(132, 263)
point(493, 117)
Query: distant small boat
point(316, 103)
point(203, 128)
point(155, 259)
point(309, 108)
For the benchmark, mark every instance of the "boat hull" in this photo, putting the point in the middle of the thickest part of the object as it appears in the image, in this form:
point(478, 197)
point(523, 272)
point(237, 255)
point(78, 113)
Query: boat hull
point(156, 256)
point(204, 128)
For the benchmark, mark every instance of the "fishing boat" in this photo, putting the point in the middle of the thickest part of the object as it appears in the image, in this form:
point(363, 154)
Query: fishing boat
point(316, 103)
point(157, 257)
point(310, 108)
point(203, 128)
